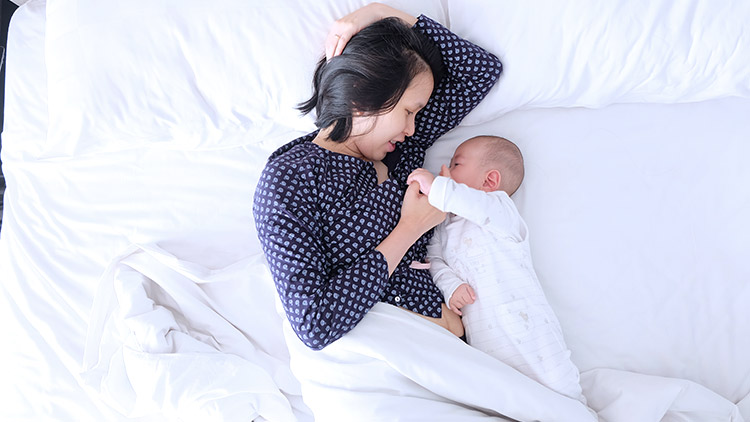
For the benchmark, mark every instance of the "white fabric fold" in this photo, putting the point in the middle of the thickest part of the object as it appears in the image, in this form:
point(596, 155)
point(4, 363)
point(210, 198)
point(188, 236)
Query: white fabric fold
point(622, 396)
point(744, 407)
point(397, 366)
point(174, 338)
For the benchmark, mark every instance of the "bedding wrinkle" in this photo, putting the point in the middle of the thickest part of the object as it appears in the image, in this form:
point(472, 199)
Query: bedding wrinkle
point(170, 334)
point(207, 106)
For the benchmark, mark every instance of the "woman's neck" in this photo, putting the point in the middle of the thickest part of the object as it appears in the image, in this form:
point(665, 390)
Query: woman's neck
point(322, 140)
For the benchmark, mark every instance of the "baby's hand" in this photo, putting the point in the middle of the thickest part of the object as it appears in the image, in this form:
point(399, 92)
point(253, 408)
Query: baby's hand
point(462, 296)
point(445, 172)
point(423, 177)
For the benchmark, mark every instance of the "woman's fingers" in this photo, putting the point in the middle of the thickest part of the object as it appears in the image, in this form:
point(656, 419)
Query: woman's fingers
point(344, 29)
point(342, 40)
point(338, 36)
point(413, 189)
point(418, 211)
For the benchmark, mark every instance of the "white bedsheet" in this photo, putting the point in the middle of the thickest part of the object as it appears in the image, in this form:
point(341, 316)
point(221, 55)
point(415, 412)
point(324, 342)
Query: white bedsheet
point(637, 215)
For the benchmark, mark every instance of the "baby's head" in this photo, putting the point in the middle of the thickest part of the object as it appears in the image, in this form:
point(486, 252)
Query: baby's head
point(488, 163)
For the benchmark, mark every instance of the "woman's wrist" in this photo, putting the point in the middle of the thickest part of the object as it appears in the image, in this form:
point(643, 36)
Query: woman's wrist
point(385, 11)
point(397, 243)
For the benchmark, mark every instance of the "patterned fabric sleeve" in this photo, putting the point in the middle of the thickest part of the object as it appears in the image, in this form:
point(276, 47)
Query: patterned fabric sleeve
point(469, 73)
point(321, 305)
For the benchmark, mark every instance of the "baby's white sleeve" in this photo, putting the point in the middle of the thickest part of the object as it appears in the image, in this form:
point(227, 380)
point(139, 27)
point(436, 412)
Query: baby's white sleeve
point(443, 276)
point(494, 211)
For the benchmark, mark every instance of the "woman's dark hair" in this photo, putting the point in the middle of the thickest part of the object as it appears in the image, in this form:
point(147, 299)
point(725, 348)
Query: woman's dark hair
point(371, 75)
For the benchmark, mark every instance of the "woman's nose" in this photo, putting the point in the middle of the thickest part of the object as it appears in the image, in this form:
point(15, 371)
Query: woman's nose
point(409, 129)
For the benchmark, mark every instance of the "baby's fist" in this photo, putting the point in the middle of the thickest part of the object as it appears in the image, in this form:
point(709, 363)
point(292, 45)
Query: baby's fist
point(423, 177)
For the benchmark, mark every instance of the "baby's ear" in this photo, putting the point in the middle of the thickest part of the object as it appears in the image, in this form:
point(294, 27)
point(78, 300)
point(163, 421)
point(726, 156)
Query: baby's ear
point(492, 181)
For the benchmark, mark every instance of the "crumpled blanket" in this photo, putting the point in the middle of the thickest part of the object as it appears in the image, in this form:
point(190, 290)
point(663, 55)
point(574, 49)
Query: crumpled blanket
point(168, 337)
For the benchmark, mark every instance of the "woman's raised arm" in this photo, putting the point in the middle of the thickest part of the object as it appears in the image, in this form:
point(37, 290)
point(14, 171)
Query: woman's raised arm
point(344, 29)
point(470, 72)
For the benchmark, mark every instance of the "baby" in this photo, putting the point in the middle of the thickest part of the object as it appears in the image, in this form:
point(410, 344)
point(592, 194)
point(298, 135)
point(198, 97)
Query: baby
point(480, 259)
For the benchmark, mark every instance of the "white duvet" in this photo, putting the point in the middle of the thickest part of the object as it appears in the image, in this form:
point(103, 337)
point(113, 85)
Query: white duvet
point(133, 282)
point(166, 338)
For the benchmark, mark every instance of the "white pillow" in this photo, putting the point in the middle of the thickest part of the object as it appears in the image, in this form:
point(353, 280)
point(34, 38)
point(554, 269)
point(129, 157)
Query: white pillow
point(192, 74)
point(592, 53)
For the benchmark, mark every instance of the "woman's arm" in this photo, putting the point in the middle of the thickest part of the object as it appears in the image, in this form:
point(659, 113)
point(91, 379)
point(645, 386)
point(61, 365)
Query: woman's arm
point(344, 29)
point(417, 217)
point(470, 72)
point(322, 304)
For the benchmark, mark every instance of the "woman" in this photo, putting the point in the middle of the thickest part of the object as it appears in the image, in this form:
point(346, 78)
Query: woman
point(339, 226)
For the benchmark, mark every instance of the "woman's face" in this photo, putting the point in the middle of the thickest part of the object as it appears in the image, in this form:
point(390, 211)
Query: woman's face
point(375, 136)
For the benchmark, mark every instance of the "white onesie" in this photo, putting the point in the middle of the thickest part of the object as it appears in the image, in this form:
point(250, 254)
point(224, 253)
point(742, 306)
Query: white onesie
point(484, 242)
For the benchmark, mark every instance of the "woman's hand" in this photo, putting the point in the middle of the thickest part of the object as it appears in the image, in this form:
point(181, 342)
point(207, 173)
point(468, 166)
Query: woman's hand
point(417, 217)
point(344, 29)
point(417, 212)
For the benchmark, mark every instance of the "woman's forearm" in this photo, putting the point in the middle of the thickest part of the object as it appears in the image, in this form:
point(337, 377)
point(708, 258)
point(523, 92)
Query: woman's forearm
point(396, 244)
point(417, 217)
point(385, 11)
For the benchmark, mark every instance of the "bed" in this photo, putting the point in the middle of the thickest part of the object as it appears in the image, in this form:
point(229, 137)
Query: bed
point(132, 282)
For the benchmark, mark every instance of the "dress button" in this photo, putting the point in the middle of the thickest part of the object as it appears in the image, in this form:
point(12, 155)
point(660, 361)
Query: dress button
point(397, 299)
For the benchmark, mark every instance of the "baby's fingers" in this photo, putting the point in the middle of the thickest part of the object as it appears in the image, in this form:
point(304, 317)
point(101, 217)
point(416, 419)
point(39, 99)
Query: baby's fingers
point(472, 295)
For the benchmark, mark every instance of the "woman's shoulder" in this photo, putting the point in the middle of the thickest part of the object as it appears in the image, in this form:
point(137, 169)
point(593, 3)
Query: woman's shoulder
point(299, 157)
point(289, 180)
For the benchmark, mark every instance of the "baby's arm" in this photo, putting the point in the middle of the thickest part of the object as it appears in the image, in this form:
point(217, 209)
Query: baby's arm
point(444, 277)
point(494, 211)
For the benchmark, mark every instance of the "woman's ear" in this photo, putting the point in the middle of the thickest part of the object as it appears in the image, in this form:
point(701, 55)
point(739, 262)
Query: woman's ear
point(492, 181)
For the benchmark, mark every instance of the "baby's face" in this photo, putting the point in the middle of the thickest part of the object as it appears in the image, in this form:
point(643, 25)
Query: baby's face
point(465, 166)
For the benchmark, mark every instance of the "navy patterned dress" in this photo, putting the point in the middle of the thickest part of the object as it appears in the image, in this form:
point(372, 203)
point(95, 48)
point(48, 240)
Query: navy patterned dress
point(320, 214)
